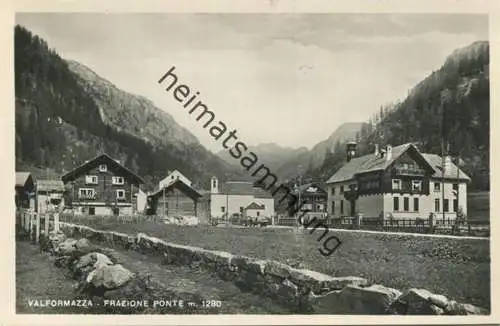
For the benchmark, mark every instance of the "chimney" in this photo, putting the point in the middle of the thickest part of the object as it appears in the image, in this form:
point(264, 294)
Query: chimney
point(447, 163)
point(388, 152)
point(350, 150)
point(214, 185)
point(377, 151)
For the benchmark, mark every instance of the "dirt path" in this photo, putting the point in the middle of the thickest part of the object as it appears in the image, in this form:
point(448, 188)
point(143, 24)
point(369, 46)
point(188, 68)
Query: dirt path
point(38, 278)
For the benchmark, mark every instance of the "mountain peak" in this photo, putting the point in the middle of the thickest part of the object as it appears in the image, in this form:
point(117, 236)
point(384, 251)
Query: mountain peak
point(469, 52)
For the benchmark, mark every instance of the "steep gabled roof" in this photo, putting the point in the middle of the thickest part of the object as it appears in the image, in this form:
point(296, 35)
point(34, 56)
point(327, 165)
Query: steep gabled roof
point(48, 185)
point(178, 184)
point(367, 163)
point(254, 205)
point(22, 178)
point(372, 162)
point(452, 173)
point(244, 188)
point(101, 159)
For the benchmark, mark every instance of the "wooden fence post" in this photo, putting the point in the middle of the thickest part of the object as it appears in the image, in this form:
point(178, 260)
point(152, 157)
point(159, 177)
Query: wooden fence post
point(26, 216)
point(56, 221)
point(46, 225)
point(20, 217)
point(31, 222)
point(37, 235)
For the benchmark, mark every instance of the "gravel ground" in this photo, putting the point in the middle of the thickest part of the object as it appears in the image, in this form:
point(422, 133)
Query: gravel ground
point(38, 278)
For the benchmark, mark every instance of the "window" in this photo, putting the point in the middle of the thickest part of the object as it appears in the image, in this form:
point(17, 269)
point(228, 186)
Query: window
point(415, 204)
point(172, 178)
point(416, 185)
point(341, 207)
point(241, 209)
point(214, 183)
point(223, 209)
point(395, 204)
point(396, 184)
point(333, 191)
point(341, 189)
point(103, 168)
point(455, 186)
point(446, 205)
point(116, 211)
point(91, 210)
point(120, 194)
point(437, 186)
point(406, 204)
point(91, 179)
point(86, 193)
point(333, 207)
point(263, 206)
point(258, 213)
point(436, 205)
point(455, 205)
point(118, 180)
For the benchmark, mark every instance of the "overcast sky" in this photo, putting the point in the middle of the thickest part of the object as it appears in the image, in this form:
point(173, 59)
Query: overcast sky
point(288, 79)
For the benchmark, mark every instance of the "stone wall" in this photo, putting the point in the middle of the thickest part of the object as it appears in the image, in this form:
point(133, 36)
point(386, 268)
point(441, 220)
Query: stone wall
point(303, 290)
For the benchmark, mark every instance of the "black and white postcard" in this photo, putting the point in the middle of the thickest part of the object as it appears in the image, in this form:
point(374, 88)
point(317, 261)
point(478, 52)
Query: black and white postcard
point(287, 164)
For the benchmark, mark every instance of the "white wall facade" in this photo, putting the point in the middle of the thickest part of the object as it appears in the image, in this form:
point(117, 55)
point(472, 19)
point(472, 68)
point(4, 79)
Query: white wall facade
point(235, 202)
point(254, 212)
point(448, 194)
point(370, 205)
point(335, 195)
point(424, 206)
point(142, 199)
point(427, 202)
point(373, 205)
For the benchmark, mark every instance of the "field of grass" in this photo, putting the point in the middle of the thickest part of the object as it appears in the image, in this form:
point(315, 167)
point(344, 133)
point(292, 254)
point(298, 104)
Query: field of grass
point(478, 205)
point(458, 268)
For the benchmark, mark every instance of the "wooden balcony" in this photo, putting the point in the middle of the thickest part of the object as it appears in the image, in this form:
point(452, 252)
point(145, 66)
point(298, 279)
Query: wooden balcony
point(406, 171)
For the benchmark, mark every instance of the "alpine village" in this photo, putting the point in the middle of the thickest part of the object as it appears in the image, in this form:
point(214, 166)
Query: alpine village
point(88, 149)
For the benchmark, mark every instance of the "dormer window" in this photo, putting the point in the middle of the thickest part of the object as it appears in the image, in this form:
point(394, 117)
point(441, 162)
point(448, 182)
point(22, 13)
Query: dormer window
point(103, 168)
point(118, 180)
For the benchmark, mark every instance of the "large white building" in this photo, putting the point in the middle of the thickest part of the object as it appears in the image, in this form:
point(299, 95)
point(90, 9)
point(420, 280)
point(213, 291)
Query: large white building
point(234, 197)
point(397, 181)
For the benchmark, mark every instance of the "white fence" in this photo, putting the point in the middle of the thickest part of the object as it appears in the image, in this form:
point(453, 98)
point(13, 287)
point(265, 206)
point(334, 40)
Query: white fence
point(35, 223)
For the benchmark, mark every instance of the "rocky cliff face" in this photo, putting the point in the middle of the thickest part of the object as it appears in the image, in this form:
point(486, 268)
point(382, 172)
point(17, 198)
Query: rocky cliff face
point(135, 114)
point(66, 114)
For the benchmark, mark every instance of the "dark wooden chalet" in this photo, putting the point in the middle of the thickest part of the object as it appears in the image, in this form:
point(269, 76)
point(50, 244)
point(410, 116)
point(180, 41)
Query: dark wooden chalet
point(102, 186)
point(313, 198)
point(178, 198)
point(25, 190)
